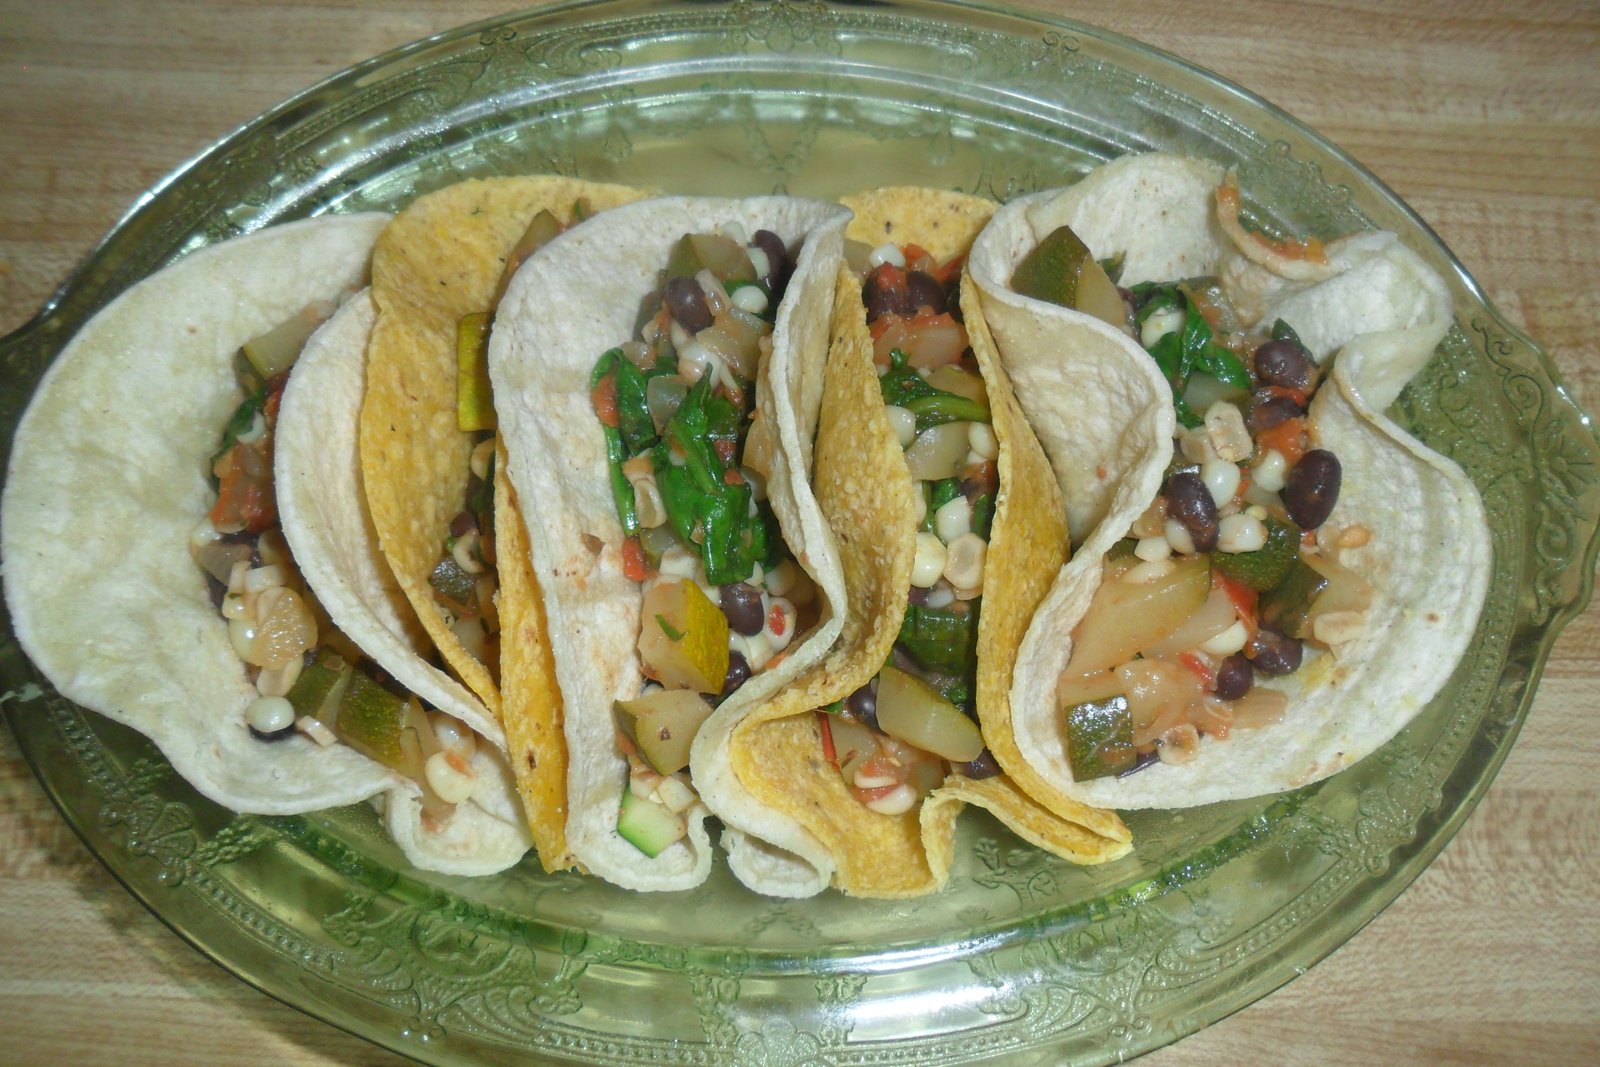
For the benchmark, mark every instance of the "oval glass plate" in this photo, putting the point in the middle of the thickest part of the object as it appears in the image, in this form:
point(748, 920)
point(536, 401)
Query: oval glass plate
point(1217, 907)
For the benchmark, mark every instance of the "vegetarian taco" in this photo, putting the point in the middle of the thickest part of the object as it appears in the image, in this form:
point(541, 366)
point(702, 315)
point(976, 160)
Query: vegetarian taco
point(1273, 577)
point(657, 373)
point(938, 497)
point(148, 577)
point(441, 507)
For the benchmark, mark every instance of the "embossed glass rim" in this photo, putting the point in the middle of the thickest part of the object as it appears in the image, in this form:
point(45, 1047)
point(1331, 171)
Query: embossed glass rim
point(1437, 824)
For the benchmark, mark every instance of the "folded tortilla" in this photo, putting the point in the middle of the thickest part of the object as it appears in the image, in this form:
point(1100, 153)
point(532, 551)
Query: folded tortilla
point(1104, 414)
point(568, 304)
point(109, 477)
point(867, 494)
point(317, 473)
point(441, 259)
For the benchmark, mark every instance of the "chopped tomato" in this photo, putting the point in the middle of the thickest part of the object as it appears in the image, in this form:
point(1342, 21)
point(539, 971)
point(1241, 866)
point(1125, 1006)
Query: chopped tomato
point(1299, 396)
point(1307, 248)
point(929, 341)
point(890, 280)
point(776, 621)
point(244, 498)
point(867, 796)
point(604, 399)
point(882, 765)
point(950, 271)
point(1200, 668)
point(917, 257)
point(1288, 438)
point(828, 751)
point(1244, 598)
point(635, 566)
point(726, 448)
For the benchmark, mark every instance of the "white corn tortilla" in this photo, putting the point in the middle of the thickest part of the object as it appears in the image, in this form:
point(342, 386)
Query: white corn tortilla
point(108, 478)
point(1380, 312)
point(317, 473)
point(569, 303)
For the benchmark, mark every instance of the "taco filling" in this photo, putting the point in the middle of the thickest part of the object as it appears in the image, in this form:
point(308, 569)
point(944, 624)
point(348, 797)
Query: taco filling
point(1230, 573)
point(465, 581)
point(310, 677)
point(722, 597)
point(896, 738)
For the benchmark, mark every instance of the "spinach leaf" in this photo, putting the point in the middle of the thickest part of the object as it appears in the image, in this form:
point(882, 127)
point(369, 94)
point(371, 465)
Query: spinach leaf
point(704, 507)
point(1188, 350)
point(616, 451)
point(903, 387)
point(633, 411)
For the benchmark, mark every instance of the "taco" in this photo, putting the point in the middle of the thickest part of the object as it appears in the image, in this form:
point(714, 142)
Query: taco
point(1273, 576)
point(684, 569)
point(441, 506)
point(937, 495)
point(148, 579)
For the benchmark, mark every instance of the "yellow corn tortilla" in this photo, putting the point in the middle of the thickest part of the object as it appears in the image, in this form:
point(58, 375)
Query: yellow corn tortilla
point(439, 260)
point(530, 699)
point(867, 494)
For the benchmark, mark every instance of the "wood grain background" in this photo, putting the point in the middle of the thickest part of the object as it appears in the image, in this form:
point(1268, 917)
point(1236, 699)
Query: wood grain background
point(1485, 116)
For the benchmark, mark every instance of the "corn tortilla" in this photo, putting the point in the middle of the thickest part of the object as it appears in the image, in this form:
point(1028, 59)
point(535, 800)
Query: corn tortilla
point(439, 260)
point(866, 491)
point(1104, 414)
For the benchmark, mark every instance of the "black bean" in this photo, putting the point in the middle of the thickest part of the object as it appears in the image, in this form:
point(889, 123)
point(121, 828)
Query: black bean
point(1144, 760)
point(926, 291)
point(1268, 409)
point(464, 523)
point(952, 298)
point(1312, 488)
point(687, 303)
point(863, 704)
point(777, 261)
point(276, 735)
point(1234, 677)
point(984, 766)
point(883, 300)
point(918, 595)
point(738, 674)
point(1284, 363)
point(1276, 653)
point(741, 603)
point(1189, 501)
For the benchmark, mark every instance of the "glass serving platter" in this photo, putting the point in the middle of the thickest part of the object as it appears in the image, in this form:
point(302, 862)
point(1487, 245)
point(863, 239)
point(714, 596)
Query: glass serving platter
point(1023, 955)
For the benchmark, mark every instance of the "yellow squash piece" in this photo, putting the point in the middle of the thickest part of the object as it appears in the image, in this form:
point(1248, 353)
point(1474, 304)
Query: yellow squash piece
point(474, 399)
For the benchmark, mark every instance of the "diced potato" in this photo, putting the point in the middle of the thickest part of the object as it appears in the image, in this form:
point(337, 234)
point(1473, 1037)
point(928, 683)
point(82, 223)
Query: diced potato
point(1214, 615)
point(1074, 689)
point(1158, 690)
point(852, 741)
point(1127, 616)
point(662, 724)
point(939, 452)
point(952, 379)
point(683, 638)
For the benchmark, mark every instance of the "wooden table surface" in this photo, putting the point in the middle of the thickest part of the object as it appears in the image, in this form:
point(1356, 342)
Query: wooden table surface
point(1485, 117)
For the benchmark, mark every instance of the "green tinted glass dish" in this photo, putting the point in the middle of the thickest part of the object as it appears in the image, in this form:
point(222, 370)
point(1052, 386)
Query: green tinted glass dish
point(1023, 953)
